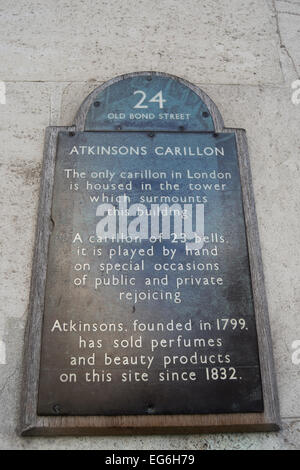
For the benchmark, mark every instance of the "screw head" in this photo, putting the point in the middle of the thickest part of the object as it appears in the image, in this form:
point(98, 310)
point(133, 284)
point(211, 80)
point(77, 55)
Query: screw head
point(56, 409)
point(150, 408)
point(96, 104)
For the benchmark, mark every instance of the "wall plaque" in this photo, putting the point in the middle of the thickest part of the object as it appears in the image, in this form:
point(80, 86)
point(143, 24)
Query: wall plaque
point(148, 311)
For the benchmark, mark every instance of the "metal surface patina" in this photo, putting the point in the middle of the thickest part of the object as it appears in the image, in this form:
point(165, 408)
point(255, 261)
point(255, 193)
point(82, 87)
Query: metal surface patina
point(145, 319)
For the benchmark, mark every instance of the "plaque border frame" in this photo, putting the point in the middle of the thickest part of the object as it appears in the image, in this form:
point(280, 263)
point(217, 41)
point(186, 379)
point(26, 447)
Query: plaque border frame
point(33, 425)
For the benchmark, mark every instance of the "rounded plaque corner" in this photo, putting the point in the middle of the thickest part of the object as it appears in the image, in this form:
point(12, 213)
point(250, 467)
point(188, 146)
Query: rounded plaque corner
point(148, 99)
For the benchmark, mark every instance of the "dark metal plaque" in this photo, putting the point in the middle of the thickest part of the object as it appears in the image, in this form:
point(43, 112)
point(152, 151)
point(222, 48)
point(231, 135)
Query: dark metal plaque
point(136, 322)
point(148, 311)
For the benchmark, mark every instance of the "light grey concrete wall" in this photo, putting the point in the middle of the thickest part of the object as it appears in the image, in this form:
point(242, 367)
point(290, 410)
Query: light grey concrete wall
point(245, 54)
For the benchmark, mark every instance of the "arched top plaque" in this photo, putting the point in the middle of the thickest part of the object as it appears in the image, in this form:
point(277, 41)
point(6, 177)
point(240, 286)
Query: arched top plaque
point(147, 309)
point(148, 101)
